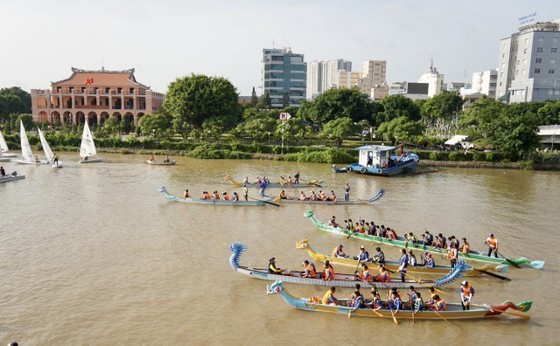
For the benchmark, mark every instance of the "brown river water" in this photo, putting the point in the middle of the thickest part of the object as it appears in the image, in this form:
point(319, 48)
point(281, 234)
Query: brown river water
point(94, 254)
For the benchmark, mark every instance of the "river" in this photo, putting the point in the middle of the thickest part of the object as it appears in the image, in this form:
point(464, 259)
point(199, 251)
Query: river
point(93, 254)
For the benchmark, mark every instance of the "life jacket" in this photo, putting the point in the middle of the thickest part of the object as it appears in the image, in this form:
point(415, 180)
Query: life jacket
point(366, 275)
point(419, 304)
point(360, 229)
point(207, 196)
point(412, 260)
point(333, 198)
point(380, 258)
point(311, 268)
point(467, 291)
point(216, 196)
point(430, 262)
point(328, 273)
point(440, 305)
point(493, 242)
point(384, 276)
point(452, 254)
point(466, 248)
point(226, 197)
point(391, 234)
point(322, 197)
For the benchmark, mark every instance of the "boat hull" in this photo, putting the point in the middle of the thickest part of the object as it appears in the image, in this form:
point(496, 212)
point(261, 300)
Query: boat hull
point(90, 161)
point(399, 168)
point(211, 201)
point(8, 178)
point(312, 183)
point(161, 163)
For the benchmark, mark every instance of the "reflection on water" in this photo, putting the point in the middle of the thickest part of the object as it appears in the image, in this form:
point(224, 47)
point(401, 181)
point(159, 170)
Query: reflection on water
point(93, 253)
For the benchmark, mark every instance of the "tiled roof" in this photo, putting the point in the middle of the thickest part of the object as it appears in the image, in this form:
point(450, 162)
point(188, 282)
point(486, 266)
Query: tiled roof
point(101, 78)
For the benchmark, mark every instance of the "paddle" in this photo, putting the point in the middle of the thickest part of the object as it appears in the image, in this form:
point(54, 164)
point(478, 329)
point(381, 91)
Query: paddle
point(518, 314)
point(262, 200)
point(421, 283)
point(350, 234)
point(492, 274)
point(437, 313)
point(413, 318)
point(508, 260)
point(394, 318)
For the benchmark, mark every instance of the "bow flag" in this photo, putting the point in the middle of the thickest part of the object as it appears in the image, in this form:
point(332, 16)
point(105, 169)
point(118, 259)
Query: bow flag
point(285, 116)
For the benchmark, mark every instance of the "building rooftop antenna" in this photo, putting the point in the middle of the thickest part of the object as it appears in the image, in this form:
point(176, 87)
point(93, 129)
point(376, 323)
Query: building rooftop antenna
point(102, 64)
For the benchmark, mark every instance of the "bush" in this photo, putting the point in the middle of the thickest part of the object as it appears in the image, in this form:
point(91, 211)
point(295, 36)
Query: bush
point(437, 155)
point(476, 156)
point(489, 157)
point(453, 156)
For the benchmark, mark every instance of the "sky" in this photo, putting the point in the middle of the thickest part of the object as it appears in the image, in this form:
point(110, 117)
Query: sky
point(40, 40)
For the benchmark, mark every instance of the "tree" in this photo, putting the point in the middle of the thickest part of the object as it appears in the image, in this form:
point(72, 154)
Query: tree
point(516, 134)
point(293, 129)
point(396, 106)
point(337, 103)
point(338, 129)
point(196, 98)
point(401, 129)
point(257, 127)
point(22, 95)
point(442, 106)
point(156, 125)
point(479, 121)
point(27, 120)
point(549, 113)
point(254, 98)
point(113, 126)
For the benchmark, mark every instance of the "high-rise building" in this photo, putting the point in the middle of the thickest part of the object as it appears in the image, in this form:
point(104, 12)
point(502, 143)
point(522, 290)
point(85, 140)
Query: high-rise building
point(529, 61)
point(434, 80)
point(324, 75)
point(373, 79)
point(284, 77)
point(348, 79)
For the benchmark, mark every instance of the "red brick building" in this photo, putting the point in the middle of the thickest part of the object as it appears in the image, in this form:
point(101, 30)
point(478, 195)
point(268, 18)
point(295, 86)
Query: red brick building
point(95, 96)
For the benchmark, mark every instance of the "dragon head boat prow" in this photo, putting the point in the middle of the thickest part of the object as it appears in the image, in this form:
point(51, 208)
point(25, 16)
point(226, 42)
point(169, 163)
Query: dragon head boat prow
point(275, 288)
point(302, 244)
point(308, 213)
point(236, 250)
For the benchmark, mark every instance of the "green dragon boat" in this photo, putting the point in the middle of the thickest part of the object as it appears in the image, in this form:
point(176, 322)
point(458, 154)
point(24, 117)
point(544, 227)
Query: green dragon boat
point(474, 256)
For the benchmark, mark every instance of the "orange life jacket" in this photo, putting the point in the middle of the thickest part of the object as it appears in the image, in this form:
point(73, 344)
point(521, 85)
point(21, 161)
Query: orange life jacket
point(384, 276)
point(328, 273)
point(466, 248)
point(493, 242)
point(440, 305)
point(366, 275)
point(466, 290)
point(311, 269)
point(226, 197)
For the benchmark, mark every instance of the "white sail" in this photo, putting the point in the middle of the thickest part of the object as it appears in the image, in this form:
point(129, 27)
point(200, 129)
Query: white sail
point(48, 152)
point(3, 145)
point(26, 152)
point(88, 147)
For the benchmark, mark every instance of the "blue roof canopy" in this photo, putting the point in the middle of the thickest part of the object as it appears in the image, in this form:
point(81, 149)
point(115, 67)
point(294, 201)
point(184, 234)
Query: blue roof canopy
point(376, 148)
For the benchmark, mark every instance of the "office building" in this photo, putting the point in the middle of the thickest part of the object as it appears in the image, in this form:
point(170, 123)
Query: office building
point(528, 66)
point(284, 76)
point(434, 79)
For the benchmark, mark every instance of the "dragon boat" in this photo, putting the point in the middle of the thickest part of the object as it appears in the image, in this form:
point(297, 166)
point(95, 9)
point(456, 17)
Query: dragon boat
point(340, 280)
point(283, 185)
point(473, 256)
point(394, 265)
point(339, 201)
point(212, 201)
point(454, 311)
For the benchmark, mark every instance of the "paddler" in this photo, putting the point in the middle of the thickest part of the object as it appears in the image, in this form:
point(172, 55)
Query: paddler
point(403, 264)
point(380, 257)
point(466, 248)
point(328, 272)
point(329, 298)
point(338, 252)
point(492, 243)
point(365, 275)
point(467, 293)
point(309, 270)
point(272, 267)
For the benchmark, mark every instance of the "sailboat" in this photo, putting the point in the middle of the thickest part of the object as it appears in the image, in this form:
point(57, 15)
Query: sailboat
point(4, 147)
point(26, 153)
point(87, 149)
point(48, 152)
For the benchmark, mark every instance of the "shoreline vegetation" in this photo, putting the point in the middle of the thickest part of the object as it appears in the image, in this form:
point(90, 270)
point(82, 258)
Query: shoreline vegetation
point(329, 155)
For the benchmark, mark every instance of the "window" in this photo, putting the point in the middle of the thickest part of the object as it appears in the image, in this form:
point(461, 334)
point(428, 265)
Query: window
point(523, 71)
point(526, 40)
point(524, 61)
point(553, 50)
point(501, 74)
point(132, 90)
point(503, 55)
point(538, 60)
point(525, 51)
point(551, 71)
point(539, 50)
point(537, 70)
point(107, 90)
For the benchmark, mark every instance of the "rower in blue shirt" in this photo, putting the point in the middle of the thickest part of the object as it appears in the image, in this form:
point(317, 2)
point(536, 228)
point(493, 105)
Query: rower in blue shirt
point(403, 264)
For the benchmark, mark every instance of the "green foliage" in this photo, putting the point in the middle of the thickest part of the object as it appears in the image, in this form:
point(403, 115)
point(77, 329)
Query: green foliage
point(337, 103)
point(156, 125)
point(453, 156)
point(14, 100)
point(396, 106)
point(442, 106)
point(195, 98)
point(113, 126)
point(436, 155)
point(254, 98)
point(400, 130)
point(479, 121)
point(489, 157)
point(549, 113)
point(27, 120)
point(259, 126)
point(330, 155)
point(339, 129)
